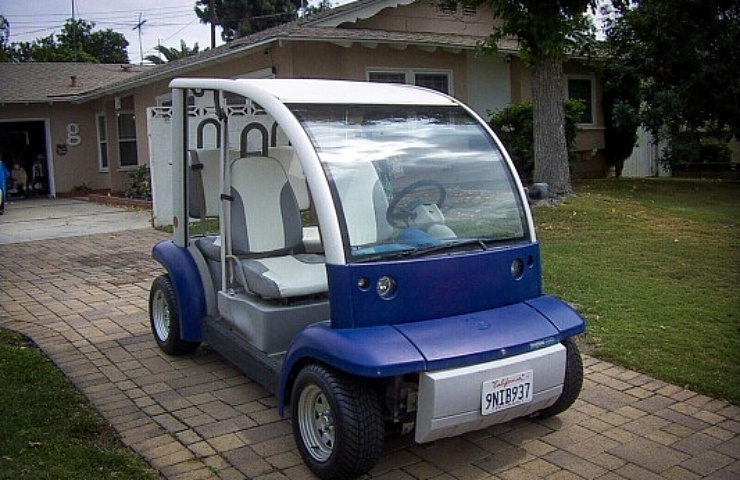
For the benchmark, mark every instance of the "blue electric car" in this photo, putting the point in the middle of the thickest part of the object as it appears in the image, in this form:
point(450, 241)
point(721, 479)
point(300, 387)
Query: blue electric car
point(365, 252)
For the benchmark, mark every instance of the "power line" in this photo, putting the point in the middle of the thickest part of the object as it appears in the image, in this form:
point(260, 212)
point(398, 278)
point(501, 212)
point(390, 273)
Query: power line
point(32, 27)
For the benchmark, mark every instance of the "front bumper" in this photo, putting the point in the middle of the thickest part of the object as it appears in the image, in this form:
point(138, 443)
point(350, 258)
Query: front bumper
point(450, 400)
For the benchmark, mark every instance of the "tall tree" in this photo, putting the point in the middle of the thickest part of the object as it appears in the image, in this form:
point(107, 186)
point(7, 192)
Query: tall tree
point(322, 6)
point(548, 30)
point(685, 52)
point(238, 18)
point(4, 36)
point(172, 53)
point(77, 42)
point(104, 46)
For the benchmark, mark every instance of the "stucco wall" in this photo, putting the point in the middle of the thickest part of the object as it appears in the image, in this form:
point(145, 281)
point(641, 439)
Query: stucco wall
point(79, 165)
point(318, 60)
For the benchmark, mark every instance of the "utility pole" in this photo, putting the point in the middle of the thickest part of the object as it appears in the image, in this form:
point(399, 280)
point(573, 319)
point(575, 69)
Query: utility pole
point(74, 33)
point(212, 9)
point(141, 49)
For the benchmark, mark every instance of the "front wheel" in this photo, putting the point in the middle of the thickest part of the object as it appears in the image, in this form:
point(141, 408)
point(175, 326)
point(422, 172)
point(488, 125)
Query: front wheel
point(164, 317)
point(337, 423)
point(571, 384)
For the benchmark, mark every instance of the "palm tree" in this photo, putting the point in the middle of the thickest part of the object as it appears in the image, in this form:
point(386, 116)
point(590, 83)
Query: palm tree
point(172, 53)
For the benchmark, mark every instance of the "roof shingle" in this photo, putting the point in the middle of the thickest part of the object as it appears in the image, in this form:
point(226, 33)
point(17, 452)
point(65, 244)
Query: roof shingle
point(38, 82)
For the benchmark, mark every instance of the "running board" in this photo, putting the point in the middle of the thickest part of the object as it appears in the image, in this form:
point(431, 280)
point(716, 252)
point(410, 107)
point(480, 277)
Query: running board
point(254, 363)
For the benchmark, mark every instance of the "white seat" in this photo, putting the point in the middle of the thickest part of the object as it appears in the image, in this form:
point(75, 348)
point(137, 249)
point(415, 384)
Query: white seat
point(292, 165)
point(286, 276)
point(364, 203)
point(267, 235)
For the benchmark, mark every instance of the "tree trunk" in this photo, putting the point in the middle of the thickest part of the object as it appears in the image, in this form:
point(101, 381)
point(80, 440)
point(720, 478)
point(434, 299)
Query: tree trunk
point(550, 147)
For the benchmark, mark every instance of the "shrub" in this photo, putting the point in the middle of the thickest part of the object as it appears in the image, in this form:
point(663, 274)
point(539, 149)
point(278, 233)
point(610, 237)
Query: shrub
point(140, 183)
point(695, 147)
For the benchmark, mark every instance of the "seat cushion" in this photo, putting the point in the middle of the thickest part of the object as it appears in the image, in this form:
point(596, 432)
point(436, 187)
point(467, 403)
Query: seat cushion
point(286, 276)
point(210, 247)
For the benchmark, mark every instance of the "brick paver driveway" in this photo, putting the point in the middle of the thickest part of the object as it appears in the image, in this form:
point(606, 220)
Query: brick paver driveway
point(84, 301)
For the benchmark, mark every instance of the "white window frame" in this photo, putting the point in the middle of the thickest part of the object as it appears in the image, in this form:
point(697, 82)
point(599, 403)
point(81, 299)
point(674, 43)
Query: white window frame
point(590, 79)
point(133, 140)
point(410, 74)
point(103, 153)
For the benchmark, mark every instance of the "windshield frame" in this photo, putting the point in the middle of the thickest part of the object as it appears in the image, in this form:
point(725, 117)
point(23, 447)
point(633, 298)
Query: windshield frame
point(463, 116)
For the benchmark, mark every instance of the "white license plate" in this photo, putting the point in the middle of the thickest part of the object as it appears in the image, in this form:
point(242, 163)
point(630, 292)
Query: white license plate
point(507, 392)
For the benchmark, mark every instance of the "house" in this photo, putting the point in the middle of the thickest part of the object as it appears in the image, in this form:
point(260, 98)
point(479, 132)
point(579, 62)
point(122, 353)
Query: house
point(54, 136)
point(94, 135)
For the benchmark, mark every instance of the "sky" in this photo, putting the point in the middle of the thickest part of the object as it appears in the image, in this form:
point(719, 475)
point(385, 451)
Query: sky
point(166, 21)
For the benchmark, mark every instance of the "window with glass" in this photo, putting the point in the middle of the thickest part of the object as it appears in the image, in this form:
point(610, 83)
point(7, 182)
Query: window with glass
point(439, 81)
point(414, 181)
point(102, 142)
point(582, 89)
point(435, 81)
point(127, 151)
point(387, 77)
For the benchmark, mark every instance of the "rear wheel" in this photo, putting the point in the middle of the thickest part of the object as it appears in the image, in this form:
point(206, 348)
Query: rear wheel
point(337, 423)
point(571, 384)
point(164, 317)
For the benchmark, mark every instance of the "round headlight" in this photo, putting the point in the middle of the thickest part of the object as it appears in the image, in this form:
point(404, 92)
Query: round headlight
point(517, 268)
point(386, 287)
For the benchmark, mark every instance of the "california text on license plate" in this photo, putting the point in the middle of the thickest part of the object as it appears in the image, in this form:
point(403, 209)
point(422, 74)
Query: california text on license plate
point(506, 392)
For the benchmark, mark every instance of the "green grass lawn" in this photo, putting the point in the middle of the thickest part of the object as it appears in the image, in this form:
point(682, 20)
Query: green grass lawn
point(48, 430)
point(653, 265)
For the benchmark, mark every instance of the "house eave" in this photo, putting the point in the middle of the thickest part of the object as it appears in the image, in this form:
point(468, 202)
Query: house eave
point(169, 73)
point(353, 12)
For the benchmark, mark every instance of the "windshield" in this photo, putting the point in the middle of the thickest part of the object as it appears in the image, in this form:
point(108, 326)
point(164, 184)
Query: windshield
point(413, 180)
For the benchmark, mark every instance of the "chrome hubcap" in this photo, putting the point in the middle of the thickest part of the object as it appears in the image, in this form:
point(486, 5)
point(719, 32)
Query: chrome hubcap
point(161, 316)
point(316, 422)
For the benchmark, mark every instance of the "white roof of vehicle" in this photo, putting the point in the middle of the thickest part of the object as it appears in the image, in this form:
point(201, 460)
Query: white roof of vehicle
point(321, 91)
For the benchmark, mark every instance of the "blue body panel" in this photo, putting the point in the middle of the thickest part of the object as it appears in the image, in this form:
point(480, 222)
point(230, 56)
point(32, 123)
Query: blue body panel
point(562, 316)
point(188, 287)
point(479, 337)
point(433, 287)
point(368, 352)
point(443, 343)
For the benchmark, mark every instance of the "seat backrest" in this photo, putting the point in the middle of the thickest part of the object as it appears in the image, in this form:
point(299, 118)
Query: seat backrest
point(289, 160)
point(364, 203)
point(205, 181)
point(265, 219)
point(204, 188)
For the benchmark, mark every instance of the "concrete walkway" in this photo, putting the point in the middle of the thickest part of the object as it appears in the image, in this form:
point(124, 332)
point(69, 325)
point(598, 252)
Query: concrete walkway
point(83, 299)
point(43, 218)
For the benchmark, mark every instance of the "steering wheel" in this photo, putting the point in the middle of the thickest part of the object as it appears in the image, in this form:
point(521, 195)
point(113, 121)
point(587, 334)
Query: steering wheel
point(398, 216)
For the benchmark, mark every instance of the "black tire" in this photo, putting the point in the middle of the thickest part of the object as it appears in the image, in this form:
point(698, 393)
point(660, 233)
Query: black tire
point(164, 318)
point(337, 423)
point(572, 383)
